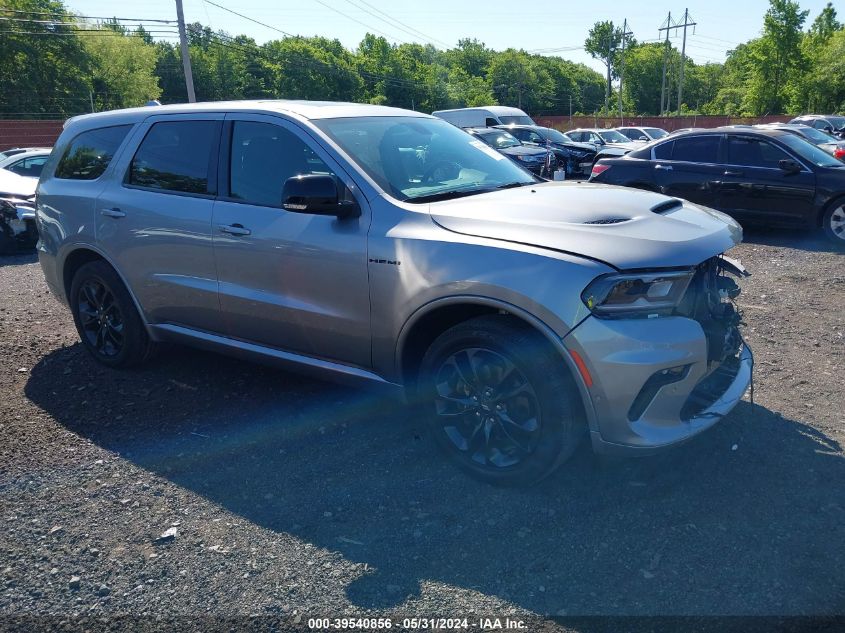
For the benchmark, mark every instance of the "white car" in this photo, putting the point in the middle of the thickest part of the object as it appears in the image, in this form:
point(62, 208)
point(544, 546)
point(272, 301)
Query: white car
point(646, 134)
point(17, 212)
point(27, 164)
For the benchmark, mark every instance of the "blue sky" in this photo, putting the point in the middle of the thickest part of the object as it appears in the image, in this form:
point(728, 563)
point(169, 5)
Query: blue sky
point(498, 23)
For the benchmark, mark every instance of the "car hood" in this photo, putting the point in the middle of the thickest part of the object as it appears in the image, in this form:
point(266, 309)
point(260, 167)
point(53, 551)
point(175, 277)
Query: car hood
point(587, 147)
point(522, 150)
point(614, 225)
point(12, 184)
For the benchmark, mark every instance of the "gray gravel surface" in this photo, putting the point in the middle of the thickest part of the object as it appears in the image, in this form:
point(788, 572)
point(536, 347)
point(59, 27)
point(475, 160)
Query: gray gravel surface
point(204, 485)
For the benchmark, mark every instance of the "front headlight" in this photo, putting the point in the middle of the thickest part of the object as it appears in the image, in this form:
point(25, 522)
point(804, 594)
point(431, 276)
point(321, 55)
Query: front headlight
point(636, 294)
point(525, 157)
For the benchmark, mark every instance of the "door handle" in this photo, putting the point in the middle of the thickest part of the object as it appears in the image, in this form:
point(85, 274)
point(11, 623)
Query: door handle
point(113, 213)
point(731, 172)
point(234, 229)
point(664, 167)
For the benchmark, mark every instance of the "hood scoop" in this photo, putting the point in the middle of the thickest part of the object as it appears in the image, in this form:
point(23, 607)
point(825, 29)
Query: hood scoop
point(607, 221)
point(669, 205)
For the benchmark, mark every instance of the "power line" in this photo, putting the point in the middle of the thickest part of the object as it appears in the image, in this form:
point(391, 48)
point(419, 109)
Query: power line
point(394, 23)
point(241, 15)
point(349, 17)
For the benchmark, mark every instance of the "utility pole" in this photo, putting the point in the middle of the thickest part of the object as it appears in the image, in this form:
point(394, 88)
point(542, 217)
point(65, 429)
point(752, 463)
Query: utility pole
point(671, 25)
point(186, 57)
point(607, 88)
point(625, 34)
point(666, 26)
point(570, 110)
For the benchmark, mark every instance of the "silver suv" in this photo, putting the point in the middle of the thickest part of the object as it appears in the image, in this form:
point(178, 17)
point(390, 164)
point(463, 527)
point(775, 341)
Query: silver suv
point(380, 245)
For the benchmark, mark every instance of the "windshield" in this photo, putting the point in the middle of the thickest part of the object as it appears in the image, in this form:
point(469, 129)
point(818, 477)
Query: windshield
point(656, 133)
point(499, 140)
point(557, 137)
point(612, 136)
point(412, 158)
point(518, 120)
point(810, 152)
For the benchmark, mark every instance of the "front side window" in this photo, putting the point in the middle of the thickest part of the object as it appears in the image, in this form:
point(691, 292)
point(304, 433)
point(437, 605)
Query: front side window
point(88, 155)
point(414, 158)
point(263, 157)
point(656, 133)
point(663, 151)
point(746, 151)
point(612, 136)
point(176, 156)
point(697, 149)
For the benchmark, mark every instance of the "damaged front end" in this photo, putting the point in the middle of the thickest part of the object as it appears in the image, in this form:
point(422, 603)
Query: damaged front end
point(709, 300)
point(17, 225)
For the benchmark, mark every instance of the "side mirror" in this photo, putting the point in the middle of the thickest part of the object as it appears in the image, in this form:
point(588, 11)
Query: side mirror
point(789, 166)
point(317, 194)
point(643, 138)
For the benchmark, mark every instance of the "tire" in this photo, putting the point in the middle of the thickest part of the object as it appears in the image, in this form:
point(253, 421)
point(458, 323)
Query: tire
point(499, 401)
point(106, 318)
point(833, 223)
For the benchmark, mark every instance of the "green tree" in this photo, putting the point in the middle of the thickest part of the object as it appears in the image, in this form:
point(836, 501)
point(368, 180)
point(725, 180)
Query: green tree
point(122, 69)
point(602, 42)
point(781, 50)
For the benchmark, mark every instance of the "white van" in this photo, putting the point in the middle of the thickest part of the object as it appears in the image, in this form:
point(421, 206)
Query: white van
point(485, 117)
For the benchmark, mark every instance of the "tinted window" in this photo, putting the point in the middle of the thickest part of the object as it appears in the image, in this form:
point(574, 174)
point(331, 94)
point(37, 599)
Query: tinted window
point(664, 150)
point(88, 155)
point(751, 152)
point(697, 149)
point(263, 157)
point(522, 135)
point(656, 133)
point(175, 156)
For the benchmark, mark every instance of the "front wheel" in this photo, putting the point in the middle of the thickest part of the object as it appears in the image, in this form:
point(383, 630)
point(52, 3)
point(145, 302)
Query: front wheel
point(500, 402)
point(833, 223)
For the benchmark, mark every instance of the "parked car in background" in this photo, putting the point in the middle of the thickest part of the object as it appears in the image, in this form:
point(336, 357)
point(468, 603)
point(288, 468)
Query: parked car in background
point(773, 177)
point(484, 117)
point(607, 143)
point(642, 133)
point(27, 164)
point(17, 212)
point(538, 160)
point(684, 130)
point(832, 123)
point(576, 158)
point(823, 140)
point(20, 150)
point(515, 315)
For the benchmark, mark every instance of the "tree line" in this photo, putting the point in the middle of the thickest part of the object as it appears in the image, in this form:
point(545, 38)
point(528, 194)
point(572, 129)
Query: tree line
point(54, 63)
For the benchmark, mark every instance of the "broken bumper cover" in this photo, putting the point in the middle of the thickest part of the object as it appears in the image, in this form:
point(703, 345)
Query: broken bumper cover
point(652, 384)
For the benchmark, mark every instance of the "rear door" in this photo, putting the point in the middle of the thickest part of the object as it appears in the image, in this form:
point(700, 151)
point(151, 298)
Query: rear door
point(688, 167)
point(154, 218)
point(755, 187)
point(291, 281)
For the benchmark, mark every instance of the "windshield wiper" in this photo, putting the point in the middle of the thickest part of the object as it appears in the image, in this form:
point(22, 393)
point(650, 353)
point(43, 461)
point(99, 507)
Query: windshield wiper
point(449, 195)
point(511, 185)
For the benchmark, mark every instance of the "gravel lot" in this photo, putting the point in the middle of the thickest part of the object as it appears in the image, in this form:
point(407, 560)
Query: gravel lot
point(290, 496)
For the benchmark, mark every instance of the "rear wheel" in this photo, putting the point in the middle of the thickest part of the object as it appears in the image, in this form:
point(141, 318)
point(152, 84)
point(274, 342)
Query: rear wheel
point(106, 318)
point(500, 402)
point(833, 223)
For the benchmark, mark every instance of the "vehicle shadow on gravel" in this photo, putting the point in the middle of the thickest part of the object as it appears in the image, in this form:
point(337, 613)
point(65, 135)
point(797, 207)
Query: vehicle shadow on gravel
point(748, 519)
point(805, 240)
point(18, 259)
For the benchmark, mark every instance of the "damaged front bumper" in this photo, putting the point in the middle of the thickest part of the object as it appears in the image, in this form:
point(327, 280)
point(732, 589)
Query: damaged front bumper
point(659, 382)
point(17, 225)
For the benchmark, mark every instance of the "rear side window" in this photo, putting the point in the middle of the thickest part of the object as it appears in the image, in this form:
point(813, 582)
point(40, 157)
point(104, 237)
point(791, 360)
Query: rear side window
point(698, 149)
point(664, 150)
point(88, 155)
point(176, 156)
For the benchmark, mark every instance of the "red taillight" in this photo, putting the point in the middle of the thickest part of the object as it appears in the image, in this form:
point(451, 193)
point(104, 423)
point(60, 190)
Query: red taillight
point(598, 169)
point(839, 153)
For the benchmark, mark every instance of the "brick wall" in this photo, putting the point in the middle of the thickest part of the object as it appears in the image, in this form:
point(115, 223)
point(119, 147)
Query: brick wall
point(28, 133)
point(667, 123)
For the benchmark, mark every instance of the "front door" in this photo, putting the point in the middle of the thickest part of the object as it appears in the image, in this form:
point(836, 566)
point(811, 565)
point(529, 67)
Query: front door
point(755, 187)
point(288, 280)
